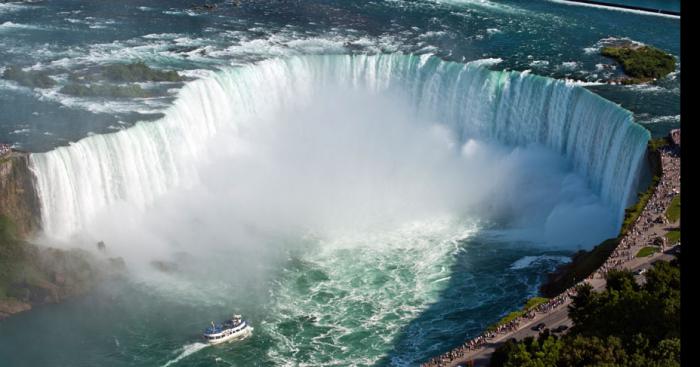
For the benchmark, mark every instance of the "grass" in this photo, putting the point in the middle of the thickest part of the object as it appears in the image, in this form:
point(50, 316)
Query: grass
point(530, 304)
point(506, 319)
point(534, 302)
point(673, 236)
point(643, 63)
point(647, 251)
point(673, 212)
point(633, 212)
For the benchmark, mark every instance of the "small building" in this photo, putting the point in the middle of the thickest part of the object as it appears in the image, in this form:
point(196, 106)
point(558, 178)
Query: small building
point(675, 136)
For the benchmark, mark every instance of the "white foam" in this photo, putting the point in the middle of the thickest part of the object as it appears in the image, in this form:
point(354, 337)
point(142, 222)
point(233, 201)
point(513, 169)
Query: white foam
point(662, 119)
point(8, 25)
point(609, 41)
point(186, 351)
point(615, 8)
point(529, 261)
point(486, 62)
point(569, 65)
point(11, 7)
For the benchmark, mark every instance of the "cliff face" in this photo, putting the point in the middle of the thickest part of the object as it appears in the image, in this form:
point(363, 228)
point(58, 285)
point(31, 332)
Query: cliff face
point(30, 274)
point(18, 198)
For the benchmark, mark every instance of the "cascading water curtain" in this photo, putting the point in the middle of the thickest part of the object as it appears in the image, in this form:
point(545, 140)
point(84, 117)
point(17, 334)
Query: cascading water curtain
point(136, 165)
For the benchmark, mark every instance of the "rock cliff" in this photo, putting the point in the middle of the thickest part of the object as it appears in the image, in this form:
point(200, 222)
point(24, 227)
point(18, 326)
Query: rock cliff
point(18, 199)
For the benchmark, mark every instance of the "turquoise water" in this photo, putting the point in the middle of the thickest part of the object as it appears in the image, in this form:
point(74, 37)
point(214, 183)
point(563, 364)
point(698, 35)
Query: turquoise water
point(338, 307)
point(549, 38)
point(410, 285)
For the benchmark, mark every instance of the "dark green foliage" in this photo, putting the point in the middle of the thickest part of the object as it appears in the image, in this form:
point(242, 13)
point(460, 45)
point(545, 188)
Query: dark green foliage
point(641, 63)
point(626, 325)
point(105, 90)
point(31, 79)
point(582, 265)
point(138, 72)
point(656, 144)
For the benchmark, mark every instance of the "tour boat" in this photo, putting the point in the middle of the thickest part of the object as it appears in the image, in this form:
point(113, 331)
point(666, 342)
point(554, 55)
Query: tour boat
point(233, 328)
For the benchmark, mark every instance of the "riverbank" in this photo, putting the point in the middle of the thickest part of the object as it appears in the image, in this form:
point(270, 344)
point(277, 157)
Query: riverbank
point(649, 226)
point(31, 275)
point(19, 201)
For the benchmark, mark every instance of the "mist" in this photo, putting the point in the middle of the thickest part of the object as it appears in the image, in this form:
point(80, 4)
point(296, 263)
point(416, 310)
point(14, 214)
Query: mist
point(352, 162)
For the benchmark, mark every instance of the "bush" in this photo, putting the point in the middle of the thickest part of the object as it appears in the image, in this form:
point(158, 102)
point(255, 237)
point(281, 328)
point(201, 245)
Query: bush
point(643, 62)
point(625, 325)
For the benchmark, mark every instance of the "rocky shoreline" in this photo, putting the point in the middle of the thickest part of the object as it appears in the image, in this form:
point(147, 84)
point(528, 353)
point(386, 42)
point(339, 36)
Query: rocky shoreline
point(618, 252)
point(31, 275)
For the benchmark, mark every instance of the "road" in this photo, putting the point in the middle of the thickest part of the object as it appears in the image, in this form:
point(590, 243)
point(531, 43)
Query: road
point(552, 319)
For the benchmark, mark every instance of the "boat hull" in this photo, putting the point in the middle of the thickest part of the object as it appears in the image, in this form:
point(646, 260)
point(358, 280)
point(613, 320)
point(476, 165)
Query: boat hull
point(227, 336)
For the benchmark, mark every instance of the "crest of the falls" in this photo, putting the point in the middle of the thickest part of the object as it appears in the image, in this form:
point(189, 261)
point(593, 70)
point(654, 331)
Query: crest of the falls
point(137, 165)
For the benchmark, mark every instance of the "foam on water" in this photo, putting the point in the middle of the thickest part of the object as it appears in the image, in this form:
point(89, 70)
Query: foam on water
point(186, 351)
point(350, 295)
point(137, 165)
point(529, 261)
point(347, 292)
point(615, 8)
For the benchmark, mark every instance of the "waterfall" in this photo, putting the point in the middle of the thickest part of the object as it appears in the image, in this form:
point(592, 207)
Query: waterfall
point(138, 164)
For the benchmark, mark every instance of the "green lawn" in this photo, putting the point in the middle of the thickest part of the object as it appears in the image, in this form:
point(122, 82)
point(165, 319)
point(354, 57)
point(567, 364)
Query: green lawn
point(534, 302)
point(673, 236)
point(647, 251)
point(673, 213)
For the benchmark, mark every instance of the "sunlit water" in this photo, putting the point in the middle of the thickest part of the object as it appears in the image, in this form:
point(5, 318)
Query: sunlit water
point(323, 278)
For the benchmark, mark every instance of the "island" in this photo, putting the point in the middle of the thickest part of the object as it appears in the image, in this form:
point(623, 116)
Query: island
point(640, 63)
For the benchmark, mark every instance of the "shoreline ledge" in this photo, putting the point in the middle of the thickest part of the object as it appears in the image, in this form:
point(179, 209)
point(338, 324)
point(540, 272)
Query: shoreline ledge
point(663, 155)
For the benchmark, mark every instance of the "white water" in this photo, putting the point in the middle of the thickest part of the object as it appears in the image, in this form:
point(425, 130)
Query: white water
point(140, 164)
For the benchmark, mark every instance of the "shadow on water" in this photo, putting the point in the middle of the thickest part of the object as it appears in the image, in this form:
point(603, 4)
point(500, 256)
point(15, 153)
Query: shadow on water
point(489, 278)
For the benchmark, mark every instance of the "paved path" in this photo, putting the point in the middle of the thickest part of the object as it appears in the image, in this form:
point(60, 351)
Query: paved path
point(650, 225)
point(552, 319)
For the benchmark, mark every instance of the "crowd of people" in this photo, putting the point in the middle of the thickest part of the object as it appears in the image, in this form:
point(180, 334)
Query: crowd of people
point(638, 235)
point(5, 149)
point(513, 325)
point(642, 232)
